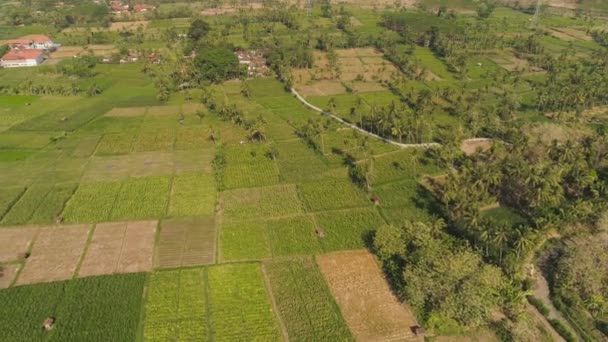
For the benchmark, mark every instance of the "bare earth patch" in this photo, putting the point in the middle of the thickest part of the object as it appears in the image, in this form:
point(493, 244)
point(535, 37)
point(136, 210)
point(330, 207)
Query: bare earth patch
point(372, 312)
point(127, 112)
point(7, 274)
point(120, 247)
point(186, 242)
point(471, 146)
point(14, 242)
point(55, 254)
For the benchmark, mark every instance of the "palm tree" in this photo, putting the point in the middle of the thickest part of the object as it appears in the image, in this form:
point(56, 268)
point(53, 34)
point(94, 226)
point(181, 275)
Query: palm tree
point(500, 238)
point(523, 241)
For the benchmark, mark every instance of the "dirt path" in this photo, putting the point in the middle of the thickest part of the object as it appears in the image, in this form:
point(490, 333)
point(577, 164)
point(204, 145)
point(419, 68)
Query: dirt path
point(542, 292)
point(540, 318)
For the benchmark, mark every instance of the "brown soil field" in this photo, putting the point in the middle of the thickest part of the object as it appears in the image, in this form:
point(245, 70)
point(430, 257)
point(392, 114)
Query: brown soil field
point(163, 110)
point(15, 242)
point(8, 275)
point(369, 307)
point(104, 250)
point(568, 33)
point(186, 242)
point(128, 25)
point(120, 247)
point(471, 146)
point(126, 112)
point(55, 254)
point(323, 88)
point(66, 52)
point(138, 247)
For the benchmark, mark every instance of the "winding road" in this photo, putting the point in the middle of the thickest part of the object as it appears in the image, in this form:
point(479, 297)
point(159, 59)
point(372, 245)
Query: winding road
point(355, 127)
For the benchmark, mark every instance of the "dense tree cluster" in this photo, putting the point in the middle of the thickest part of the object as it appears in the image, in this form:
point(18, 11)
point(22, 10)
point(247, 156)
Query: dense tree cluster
point(445, 281)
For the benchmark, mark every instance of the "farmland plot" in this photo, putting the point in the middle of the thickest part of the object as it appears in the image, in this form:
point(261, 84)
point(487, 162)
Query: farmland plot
point(273, 201)
point(15, 242)
point(185, 242)
point(8, 197)
point(115, 143)
point(348, 229)
point(239, 304)
point(159, 140)
point(292, 236)
point(304, 301)
point(55, 254)
point(22, 210)
point(193, 137)
point(176, 306)
point(7, 274)
point(142, 198)
point(332, 194)
point(365, 299)
point(96, 309)
point(244, 241)
point(53, 203)
point(92, 202)
point(192, 195)
point(119, 248)
point(248, 175)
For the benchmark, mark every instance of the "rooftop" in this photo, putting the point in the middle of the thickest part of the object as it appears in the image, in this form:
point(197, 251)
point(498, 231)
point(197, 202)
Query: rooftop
point(15, 55)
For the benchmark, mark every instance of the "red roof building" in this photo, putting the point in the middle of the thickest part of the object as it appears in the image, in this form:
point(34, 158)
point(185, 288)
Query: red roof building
point(22, 58)
point(142, 7)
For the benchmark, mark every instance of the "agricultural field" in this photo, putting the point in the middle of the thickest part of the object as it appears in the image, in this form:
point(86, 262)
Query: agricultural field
point(235, 172)
point(222, 303)
point(300, 291)
point(82, 308)
point(369, 308)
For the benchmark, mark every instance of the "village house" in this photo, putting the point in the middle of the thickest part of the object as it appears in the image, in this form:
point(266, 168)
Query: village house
point(36, 42)
point(255, 61)
point(22, 58)
point(117, 9)
point(143, 7)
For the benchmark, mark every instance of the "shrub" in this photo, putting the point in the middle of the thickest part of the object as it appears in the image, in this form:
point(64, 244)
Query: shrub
point(539, 305)
point(562, 330)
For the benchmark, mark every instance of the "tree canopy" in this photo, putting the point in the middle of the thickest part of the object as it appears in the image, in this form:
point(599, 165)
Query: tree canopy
point(216, 64)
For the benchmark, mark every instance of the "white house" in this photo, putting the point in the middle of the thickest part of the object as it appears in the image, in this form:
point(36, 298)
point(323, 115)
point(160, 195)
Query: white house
point(22, 58)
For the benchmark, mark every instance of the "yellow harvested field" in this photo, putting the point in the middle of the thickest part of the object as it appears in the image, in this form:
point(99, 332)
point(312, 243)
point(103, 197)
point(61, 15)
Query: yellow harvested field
point(369, 307)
